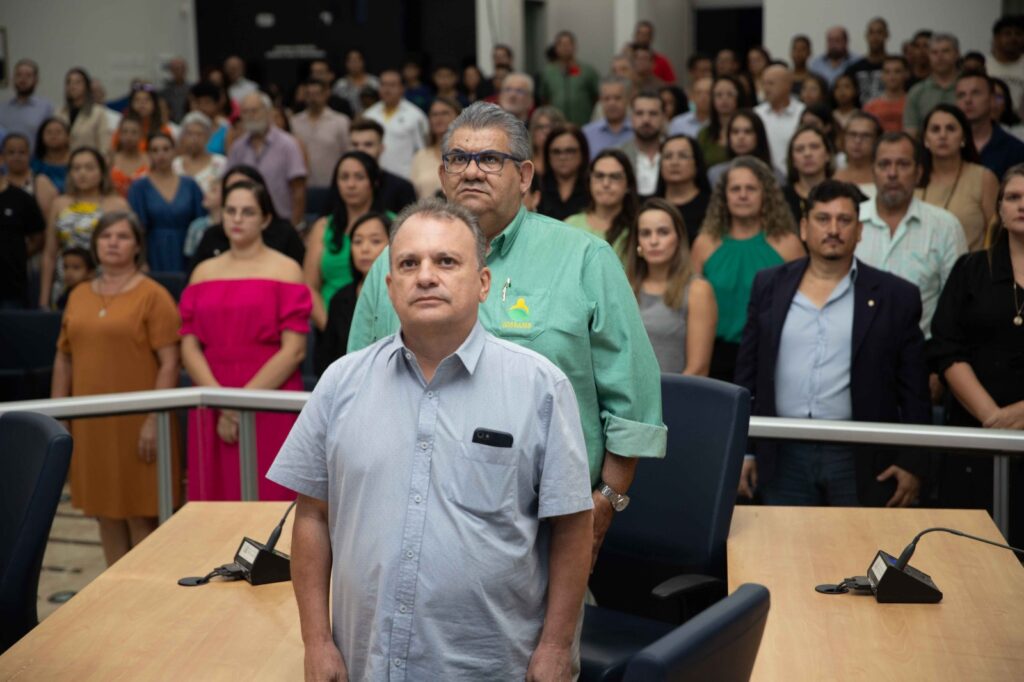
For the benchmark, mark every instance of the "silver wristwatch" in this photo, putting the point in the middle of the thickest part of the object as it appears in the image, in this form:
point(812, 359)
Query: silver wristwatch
point(618, 500)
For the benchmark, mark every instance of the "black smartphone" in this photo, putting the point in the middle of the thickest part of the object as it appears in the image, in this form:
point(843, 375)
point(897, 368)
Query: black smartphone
point(496, 439)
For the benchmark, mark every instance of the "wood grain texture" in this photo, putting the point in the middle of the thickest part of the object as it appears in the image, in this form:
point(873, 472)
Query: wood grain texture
point(975, 633)
point(134, 622)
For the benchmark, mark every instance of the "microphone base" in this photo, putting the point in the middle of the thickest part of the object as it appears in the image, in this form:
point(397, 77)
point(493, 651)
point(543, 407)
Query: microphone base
point(892, 585)
point(261, 566)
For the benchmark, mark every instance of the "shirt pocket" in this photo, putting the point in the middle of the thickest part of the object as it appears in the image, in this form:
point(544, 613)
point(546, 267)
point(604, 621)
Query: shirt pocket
point(523, 316)
point(482, 479)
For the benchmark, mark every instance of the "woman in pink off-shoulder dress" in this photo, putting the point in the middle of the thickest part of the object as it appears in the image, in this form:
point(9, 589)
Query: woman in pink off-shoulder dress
point(245, 316)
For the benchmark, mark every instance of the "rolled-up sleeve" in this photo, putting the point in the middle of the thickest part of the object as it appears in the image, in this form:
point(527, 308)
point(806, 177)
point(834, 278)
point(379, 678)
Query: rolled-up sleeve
point(626, 372)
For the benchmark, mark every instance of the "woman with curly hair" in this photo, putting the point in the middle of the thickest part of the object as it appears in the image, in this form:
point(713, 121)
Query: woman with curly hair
point(748, 227)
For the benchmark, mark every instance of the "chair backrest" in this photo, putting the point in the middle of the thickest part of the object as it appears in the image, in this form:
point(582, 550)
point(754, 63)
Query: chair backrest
point(720, 643)
point(35, 452)
point(681, 507)
point(28, 342)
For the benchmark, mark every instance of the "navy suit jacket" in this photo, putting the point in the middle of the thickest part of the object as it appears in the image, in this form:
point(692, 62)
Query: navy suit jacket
point(888, 372)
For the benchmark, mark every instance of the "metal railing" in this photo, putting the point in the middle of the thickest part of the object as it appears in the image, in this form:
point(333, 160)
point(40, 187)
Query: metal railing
point(1000, 442)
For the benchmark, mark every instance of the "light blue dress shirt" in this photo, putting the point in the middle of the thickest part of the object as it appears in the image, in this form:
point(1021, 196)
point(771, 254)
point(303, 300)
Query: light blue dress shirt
point(823, 67)
point(439, 550)
point(812, 373)
point(600, 136)
point(686, 124)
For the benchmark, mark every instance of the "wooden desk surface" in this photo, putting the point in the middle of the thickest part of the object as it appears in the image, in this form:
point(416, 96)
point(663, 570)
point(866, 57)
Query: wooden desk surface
point(134, 622)
point(975, 633)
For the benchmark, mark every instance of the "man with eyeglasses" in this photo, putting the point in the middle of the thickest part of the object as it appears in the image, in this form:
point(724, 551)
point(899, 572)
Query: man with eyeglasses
point(829, 337)
point(516, 95)
point(558, 291)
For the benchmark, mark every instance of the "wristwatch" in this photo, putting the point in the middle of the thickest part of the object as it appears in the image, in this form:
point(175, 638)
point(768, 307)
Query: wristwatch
point(618, 500)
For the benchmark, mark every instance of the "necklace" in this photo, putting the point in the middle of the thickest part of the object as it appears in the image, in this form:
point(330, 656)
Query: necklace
point(1018, 320)
point(952, 190)
point(107, 300)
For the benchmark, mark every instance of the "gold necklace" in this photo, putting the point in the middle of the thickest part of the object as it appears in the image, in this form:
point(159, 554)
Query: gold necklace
point(105, 299)
point(1018, 320)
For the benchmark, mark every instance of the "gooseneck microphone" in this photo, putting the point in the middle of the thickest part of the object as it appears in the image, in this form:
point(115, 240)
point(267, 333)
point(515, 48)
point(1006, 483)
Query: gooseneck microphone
point(894, 581)
point(908, 552)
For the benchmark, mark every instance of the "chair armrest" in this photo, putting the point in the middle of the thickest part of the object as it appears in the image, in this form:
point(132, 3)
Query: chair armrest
point(682, 585)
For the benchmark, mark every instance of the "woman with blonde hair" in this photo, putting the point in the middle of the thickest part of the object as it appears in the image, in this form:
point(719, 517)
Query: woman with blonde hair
point(677, 306)
point(748, 227)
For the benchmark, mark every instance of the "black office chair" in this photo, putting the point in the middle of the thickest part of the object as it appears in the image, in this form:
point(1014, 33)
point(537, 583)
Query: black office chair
point(35, 452)
point(174, 282)
point(718, 644)
point(28, 342)
point(681, 507)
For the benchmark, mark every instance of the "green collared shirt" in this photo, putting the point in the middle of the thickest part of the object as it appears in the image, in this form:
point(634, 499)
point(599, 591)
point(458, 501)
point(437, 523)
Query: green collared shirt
point(562, 293)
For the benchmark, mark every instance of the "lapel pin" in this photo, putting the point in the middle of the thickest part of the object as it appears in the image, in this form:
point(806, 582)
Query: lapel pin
point(871, 303)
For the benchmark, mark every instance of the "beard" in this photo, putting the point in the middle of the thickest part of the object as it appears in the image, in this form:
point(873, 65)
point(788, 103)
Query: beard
point(256, 127)
point(647, 134)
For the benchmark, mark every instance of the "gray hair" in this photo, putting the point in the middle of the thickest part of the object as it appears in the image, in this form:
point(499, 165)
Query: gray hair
point(519, 74)
point(197, 118)
point(947, 38)
point(482, 115)
point(617, 80)
point(439, 209)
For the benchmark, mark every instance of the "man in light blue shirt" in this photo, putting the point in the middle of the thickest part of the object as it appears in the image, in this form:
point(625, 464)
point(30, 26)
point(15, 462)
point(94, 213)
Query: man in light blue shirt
point(25, 112)
point(830, 338)
point(691, 122)
point(837, 57)
point(445, 499)
point(614, 129)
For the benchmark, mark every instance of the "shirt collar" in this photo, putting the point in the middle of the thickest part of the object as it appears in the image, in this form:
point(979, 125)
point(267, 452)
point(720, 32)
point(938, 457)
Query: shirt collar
point(468, 353)
point(869, 213)
point(503, 242)
point(606, 127)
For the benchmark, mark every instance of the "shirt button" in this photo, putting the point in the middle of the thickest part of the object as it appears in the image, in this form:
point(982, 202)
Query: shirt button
point(418, 499)
point(402, 608)
point(409, 554)
point(408, 356)
point(430, 394)
point(398, 663)
point(423, 445)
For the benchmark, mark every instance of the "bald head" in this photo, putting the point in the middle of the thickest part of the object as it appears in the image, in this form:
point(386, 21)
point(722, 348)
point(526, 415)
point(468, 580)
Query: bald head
point(778, 83)
point(836, 41)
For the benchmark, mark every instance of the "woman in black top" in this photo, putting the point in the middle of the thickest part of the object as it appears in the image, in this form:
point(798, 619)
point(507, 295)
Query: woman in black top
point(279, 234)
point(564, 184)
point(369, 236)
point(808, 162)
point(683, 181)
point(977, 347)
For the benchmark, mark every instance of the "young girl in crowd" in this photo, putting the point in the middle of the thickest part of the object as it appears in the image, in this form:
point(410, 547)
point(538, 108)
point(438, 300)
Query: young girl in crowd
point(127, 163)
point(245, 316)
point(78, 267)
point(683, 182)
point(611, 208)
point(808, 162)
point(727, 95)
point(678, 308)
point(53, 151)
point(369, 238)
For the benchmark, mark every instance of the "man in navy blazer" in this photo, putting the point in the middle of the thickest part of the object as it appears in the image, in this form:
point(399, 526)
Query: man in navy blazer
point(829, 337)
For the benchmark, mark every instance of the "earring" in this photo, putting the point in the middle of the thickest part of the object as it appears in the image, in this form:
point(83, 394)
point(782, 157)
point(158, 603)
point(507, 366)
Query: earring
point(639, 249)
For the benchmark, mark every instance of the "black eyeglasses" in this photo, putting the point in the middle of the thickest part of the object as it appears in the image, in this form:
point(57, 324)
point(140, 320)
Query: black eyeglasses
point(489, 161)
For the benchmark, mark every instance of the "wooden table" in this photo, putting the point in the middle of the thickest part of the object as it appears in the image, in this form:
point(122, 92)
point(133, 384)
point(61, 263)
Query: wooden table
point(134, 622)
point(975, 633)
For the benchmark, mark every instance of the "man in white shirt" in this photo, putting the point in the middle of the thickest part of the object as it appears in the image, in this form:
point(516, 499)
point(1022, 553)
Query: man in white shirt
point(644, 150)
point(903, 235)
point(405, 124)
point(780, 112)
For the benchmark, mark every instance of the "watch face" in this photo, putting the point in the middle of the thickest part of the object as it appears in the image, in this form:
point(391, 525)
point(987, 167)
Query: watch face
point(621, 503)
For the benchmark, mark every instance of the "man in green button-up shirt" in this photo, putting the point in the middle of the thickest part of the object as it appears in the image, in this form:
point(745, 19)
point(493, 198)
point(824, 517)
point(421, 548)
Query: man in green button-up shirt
point(558, 291)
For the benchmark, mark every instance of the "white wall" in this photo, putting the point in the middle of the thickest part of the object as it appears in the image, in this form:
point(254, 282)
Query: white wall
point(115, 40)
point(970, 20)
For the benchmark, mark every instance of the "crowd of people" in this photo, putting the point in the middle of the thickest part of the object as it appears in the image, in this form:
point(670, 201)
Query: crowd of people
point(780, 223)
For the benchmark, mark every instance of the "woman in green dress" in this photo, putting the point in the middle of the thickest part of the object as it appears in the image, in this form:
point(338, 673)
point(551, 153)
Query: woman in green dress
point(748, 227)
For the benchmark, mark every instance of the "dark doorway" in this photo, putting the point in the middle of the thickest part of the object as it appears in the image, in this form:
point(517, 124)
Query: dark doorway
point(278, 39)
point(737, 29)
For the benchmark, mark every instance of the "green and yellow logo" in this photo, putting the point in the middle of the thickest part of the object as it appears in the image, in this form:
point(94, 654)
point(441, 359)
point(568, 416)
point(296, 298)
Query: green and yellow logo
point(519, 315)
